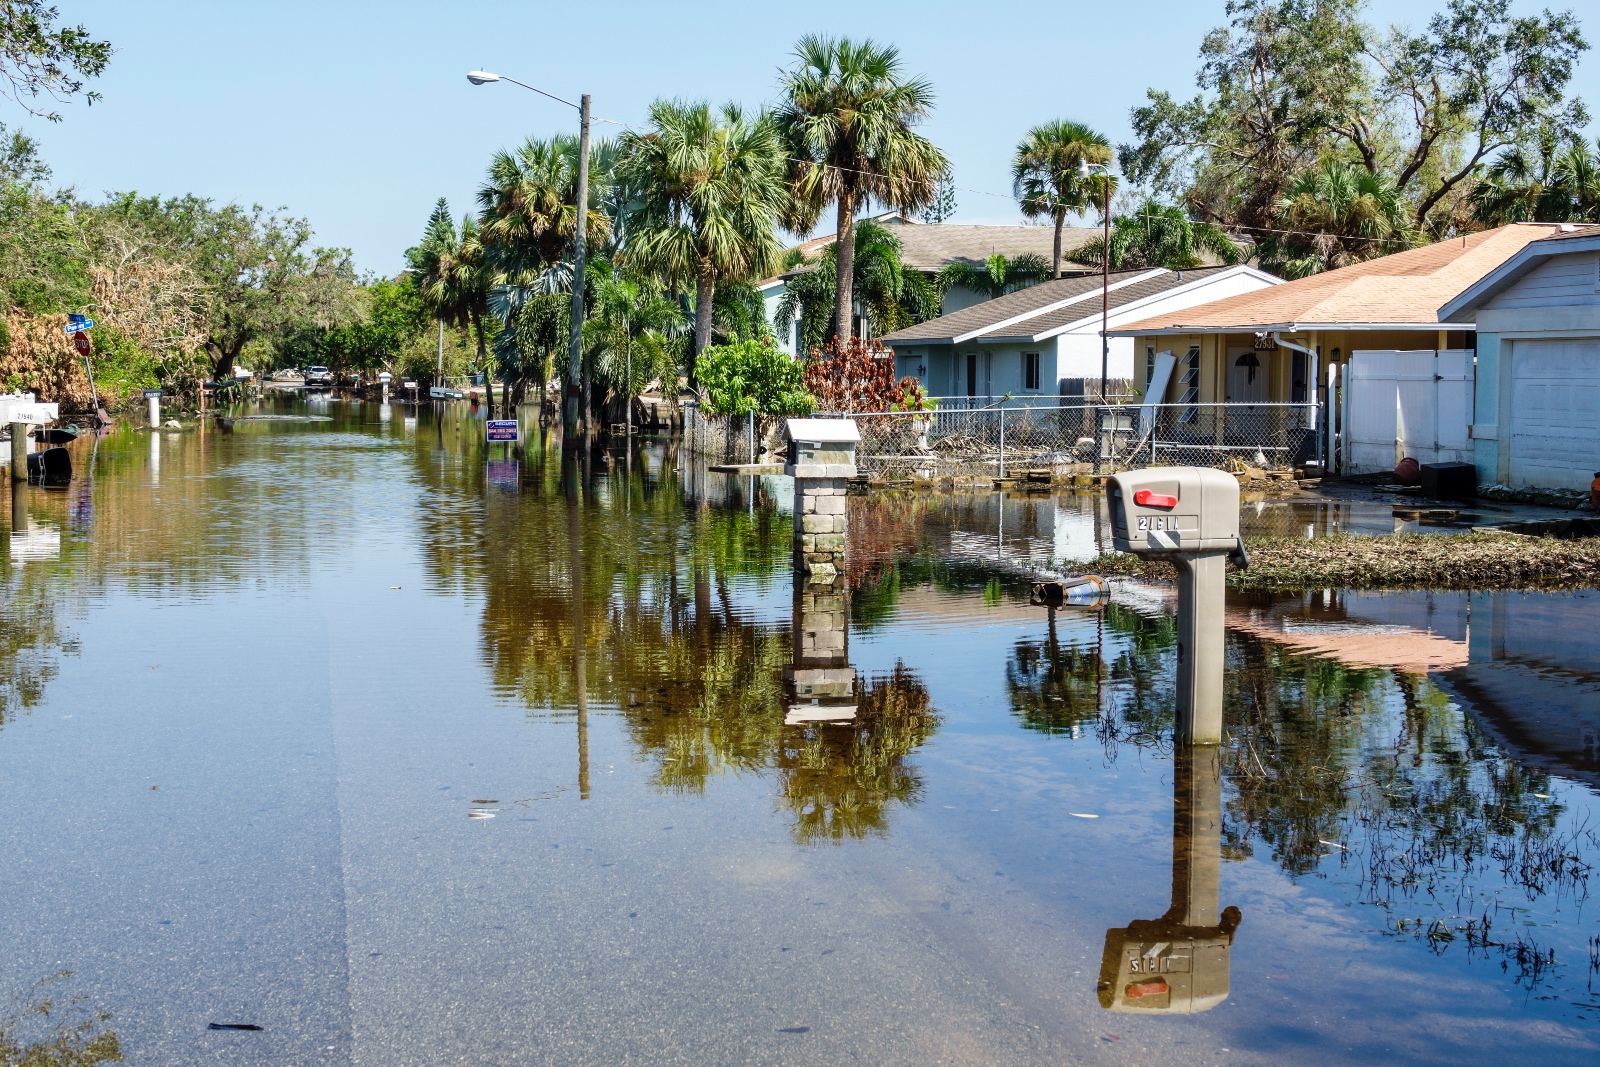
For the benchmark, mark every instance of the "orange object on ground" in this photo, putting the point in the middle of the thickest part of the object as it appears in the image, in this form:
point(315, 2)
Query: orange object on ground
point(1408, 472)
point(1594, 492)
point(1153, 988)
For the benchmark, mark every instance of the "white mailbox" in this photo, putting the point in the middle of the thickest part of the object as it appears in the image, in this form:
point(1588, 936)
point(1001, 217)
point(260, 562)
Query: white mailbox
point(1164, 511)
point(1189, 515)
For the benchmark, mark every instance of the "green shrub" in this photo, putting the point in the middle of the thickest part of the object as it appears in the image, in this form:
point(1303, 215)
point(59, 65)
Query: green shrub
point(751, 376)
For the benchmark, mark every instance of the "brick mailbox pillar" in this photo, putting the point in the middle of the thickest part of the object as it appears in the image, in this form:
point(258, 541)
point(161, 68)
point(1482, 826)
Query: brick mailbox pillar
point(821, 460)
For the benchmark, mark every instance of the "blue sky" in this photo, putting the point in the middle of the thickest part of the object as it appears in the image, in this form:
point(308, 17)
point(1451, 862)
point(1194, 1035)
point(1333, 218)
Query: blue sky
point(358, 115)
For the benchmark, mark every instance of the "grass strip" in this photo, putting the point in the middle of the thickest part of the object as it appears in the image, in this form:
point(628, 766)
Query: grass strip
point(1401, 561)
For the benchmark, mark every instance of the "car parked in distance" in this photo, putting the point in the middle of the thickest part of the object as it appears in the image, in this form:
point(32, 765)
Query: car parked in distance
point(319, 376)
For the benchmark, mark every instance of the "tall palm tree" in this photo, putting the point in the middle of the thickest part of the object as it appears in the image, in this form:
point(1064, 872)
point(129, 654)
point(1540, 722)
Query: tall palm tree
point(528, 205)
point(1334, 215)
point(847, 119)
point(709, 196)
point(1048, 173)
point(1161, 235)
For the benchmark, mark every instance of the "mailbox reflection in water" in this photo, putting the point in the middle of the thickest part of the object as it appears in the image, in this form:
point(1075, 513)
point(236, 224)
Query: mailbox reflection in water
point(1179, 964)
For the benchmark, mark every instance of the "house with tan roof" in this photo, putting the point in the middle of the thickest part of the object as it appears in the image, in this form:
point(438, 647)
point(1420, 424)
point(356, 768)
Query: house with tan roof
point(1401, 373)
point(1045, 341)
point(931, 247)
point(1536, 420)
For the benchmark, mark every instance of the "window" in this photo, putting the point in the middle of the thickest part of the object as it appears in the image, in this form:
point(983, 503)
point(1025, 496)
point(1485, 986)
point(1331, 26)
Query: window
point(1149, 361)
point(1030, 370)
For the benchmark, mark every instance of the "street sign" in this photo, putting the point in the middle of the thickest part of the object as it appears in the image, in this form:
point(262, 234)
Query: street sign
point(80, 341)
point(152, 394)
point(78, 325)
point(502, 429)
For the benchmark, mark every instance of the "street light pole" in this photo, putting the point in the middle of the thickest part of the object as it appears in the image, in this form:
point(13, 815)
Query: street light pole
point(578, 383)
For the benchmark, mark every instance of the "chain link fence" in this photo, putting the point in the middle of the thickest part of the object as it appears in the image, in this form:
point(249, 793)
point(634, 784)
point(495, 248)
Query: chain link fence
point(1006, 439)
point(732, 438)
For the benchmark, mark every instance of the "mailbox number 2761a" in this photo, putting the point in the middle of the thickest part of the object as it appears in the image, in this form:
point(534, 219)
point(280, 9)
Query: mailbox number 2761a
point(1167, 523)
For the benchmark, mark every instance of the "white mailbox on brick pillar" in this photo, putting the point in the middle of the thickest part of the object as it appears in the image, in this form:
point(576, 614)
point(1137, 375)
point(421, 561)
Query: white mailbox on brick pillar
point(822, 460)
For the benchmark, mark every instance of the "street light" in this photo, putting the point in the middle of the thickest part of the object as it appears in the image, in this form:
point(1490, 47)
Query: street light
point(1085, 168)
point(575, 355)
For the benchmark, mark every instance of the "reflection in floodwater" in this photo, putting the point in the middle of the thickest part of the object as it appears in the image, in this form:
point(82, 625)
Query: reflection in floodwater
point(1178, 964)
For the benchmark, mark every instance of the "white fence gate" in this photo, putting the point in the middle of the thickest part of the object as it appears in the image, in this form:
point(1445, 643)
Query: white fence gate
point(1399, 404)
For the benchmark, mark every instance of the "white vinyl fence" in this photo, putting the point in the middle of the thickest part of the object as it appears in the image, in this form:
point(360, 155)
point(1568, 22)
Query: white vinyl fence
point(1399, 404)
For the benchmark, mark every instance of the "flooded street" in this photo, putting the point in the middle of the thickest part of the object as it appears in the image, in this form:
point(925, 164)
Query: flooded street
point(411, 754)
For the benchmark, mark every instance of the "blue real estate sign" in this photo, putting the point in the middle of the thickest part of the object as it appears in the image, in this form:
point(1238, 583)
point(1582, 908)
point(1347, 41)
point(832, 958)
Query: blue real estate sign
point(503, 429)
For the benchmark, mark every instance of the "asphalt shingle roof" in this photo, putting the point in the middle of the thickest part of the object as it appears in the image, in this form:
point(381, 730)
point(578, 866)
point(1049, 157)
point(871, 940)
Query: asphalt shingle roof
point(1405, 288)
point(1036, 306)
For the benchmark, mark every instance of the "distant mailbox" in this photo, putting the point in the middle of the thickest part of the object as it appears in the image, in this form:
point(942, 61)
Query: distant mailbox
point(152, 394)
point(821, 448)
point(1174, 510)
point(502, 429)
point(385, 376)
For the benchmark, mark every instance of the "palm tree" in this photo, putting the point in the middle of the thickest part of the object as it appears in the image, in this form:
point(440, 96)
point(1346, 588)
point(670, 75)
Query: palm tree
point(710, 195)
point(999, 275)
point(528, 205)
point(1560, 186)
point(630, 335)
point(450, 273)
point(1161, 235)
point(893, 295)
point(1335, 215)
point(847, 120)
point(1048, 173)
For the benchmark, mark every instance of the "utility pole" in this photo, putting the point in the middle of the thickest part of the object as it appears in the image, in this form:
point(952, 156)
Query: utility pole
point(1105, 288)
point(575, 355)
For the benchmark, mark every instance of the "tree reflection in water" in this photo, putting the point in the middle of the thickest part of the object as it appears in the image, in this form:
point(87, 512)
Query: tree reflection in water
point(1367, 778)
point(642, 588)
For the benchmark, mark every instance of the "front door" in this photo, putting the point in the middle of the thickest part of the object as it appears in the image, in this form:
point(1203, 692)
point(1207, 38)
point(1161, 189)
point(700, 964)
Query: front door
point(1247, 376)
point(972, 374)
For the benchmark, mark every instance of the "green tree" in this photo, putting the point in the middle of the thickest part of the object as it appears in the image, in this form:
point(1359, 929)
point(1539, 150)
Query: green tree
point(1335, 215)
point(748, 376)
point(710, 194)
point(452, 275)
point(260, 275)
point(1289, 84)
point(943, 206)
point(1162, 235)
point(40, 58)
point(1049, 174)
point(848, 119)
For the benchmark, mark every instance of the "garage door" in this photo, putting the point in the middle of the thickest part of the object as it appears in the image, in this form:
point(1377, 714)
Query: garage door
point(1555, 413)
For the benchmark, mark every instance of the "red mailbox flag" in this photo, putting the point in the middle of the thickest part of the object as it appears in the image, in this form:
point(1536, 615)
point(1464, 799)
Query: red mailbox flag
point(80, 341)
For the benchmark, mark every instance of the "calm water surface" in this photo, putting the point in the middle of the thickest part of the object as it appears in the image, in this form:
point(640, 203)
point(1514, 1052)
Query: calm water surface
point(412, 755)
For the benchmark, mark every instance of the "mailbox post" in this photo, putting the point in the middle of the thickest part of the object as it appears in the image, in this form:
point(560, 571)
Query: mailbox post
point(1189, 515)
point(385, 377)
point(19, 411)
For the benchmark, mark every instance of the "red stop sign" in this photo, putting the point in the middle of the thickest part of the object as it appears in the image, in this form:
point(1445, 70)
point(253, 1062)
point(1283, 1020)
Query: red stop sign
point(80, 341)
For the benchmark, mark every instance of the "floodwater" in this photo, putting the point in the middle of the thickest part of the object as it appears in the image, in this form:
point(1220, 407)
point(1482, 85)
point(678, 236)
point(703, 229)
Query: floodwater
point(409, 754)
